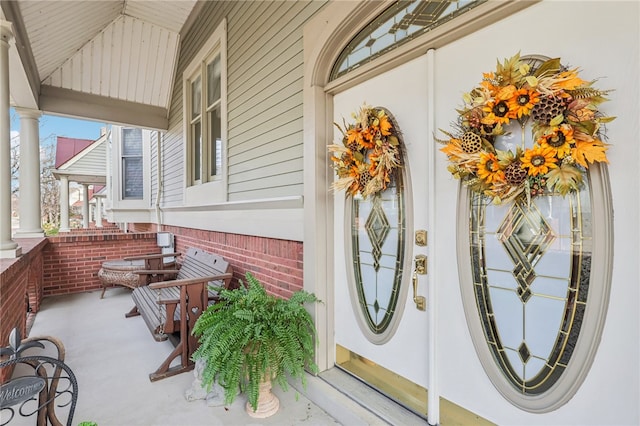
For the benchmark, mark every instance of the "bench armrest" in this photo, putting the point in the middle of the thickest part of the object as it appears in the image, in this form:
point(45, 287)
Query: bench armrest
point(155, 271)
point(189, 281)
point(152, 256)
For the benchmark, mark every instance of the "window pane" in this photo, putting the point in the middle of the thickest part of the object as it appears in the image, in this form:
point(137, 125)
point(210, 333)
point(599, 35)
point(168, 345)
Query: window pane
point(531, 280)
point(377, 232)
point(196, 134)
point(132, 167)
point(400, 23)
point(213, 80)
point(132, 142)
point(215, 142)
point(132, 178)
point(196, 97)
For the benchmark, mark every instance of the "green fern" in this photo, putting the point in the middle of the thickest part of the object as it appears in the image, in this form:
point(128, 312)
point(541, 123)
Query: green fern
point(250, 334)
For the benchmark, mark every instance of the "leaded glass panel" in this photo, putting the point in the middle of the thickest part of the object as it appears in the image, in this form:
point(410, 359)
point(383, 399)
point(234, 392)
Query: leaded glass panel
point(400, 23)
point(531, 264)
point(377, 234)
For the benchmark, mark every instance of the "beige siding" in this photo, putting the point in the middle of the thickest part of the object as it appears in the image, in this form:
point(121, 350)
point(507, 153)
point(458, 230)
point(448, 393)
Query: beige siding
point(92, 163)
point(265, 73)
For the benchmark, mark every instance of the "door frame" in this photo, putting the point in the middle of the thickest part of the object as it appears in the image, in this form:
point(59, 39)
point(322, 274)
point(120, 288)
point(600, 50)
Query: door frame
point(324, 36)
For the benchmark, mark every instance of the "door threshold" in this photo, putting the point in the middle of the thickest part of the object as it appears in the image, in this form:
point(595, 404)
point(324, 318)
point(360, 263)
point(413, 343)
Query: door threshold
point(352, 402)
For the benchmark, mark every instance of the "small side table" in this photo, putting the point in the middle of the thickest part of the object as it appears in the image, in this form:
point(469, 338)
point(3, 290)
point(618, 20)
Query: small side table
point(120, 272)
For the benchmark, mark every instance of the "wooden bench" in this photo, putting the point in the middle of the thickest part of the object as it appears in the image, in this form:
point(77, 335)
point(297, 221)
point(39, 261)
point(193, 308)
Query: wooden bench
point(172, 307)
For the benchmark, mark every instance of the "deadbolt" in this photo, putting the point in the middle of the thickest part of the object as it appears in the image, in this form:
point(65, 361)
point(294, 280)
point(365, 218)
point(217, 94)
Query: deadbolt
point(421, 237)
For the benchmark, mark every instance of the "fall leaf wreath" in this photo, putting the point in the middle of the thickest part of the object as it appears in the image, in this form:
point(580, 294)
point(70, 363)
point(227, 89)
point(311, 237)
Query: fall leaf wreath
point(369, 153)
point(558, 106)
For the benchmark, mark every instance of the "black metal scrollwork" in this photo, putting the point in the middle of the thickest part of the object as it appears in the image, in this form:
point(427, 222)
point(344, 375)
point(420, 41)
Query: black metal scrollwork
point(40, 383)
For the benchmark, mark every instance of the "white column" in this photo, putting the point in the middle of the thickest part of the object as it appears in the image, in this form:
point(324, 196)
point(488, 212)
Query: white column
point(8, 247)
point(64, 204)
point(30, 203)
point(85, 205)
point(98, 212)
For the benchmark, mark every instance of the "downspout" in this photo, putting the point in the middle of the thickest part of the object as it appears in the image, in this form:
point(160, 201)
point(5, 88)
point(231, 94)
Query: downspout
point(160, 181)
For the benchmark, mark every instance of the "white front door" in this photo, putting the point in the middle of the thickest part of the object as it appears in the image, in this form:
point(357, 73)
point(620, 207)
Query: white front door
point(386, 343)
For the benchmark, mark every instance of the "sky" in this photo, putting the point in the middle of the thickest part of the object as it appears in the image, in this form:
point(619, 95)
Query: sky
point(52, 126)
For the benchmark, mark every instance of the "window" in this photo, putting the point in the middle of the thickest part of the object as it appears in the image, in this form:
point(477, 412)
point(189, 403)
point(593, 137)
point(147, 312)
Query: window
point(132, 165)
point(205, 93)
point(399, 24)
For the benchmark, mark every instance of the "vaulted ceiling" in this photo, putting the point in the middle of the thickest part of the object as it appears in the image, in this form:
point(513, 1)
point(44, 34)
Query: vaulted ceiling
point(107, 60)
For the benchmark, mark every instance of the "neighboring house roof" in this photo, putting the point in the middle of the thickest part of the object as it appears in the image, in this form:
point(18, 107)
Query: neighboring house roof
point(99, 189)
point(81, 160)
point(67, 148)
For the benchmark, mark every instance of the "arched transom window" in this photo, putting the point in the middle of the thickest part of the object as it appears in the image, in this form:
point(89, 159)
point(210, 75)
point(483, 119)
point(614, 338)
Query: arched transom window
point(400, 23)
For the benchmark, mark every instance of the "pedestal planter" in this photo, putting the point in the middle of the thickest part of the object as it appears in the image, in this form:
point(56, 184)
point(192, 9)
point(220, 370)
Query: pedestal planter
point(268, 403)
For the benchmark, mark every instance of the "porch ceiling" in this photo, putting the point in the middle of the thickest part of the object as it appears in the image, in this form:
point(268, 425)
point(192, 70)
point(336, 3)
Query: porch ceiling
point(108, 60)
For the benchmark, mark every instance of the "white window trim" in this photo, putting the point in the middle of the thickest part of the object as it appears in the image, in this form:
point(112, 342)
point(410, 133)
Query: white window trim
point(207, 190)
point(115, 187)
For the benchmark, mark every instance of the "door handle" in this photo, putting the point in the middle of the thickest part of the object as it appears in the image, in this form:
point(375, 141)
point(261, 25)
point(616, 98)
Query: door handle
point(420, 268)
point(420, 301)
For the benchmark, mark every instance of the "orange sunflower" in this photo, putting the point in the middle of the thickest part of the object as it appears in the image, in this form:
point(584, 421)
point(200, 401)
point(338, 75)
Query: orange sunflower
point(489, 168)
point(498, 110)
point(560, 140)
point(539, 160)
point(522, 102)
point(356, 136)
point(385, 125)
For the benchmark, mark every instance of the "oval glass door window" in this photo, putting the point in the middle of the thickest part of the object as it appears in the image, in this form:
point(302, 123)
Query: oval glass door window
point(527, 274)
point(378, 230)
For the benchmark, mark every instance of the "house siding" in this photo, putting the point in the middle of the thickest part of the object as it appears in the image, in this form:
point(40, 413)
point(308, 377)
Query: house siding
point(91, 163)
point(264, 83)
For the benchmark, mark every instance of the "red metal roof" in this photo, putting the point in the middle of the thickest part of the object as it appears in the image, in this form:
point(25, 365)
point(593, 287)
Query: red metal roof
point(67, 148)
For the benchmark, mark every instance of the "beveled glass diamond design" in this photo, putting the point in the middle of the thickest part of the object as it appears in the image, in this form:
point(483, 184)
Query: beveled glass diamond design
point(523, 350)
point(525, 294)
point(526, 236)
point(377, 227)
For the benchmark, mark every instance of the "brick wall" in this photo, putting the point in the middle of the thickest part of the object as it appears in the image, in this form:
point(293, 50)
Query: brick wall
point(276, 263)
point(20, 280)
point(71, 262)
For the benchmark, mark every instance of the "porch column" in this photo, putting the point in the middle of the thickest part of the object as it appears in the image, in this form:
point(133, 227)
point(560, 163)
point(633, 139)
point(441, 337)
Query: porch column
point(8, 247)
point(30, 210)
point(64, 204)
point(98, 212)
point(85, 205)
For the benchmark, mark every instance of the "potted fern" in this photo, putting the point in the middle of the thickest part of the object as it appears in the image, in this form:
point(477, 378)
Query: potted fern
point(251, 338)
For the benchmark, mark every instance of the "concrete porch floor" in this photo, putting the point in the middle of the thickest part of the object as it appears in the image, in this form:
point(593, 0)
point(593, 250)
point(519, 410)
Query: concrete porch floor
point(112, 356)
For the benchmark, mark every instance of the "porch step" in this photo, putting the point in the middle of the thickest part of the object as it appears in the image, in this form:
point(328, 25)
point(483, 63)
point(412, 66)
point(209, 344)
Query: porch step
point(352, 402)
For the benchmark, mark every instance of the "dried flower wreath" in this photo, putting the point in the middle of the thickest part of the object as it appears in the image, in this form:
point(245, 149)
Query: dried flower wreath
point(369, 153)
point(555, 103)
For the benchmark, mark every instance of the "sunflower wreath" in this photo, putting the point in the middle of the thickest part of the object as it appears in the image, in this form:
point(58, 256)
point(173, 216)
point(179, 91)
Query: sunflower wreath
point(369, 153)
point(541, 94)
